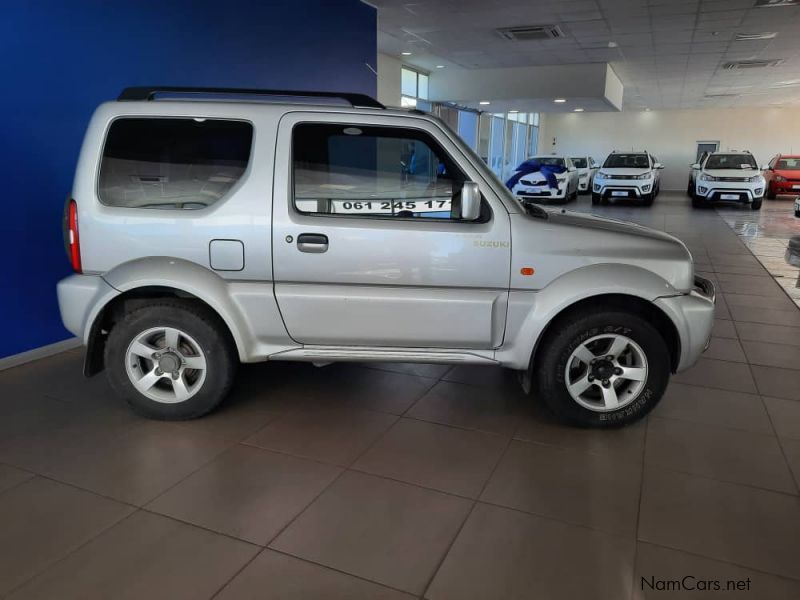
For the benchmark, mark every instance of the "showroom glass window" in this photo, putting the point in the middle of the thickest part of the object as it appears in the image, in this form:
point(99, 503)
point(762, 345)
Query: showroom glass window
point(379, 172)
point(179, 164)
point(413, 87)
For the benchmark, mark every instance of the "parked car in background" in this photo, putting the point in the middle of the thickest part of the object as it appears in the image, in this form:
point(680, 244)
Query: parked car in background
point(587, 167)
point(543, 178)
point(196, 245)
point(727, 177)
point(632, 175)
point(782, 175)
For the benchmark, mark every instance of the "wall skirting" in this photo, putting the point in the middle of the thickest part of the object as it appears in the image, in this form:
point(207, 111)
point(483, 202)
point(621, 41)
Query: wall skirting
point(37, 353)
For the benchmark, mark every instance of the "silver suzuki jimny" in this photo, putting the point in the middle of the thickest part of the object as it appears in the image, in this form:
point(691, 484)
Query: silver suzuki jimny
point(208, 227)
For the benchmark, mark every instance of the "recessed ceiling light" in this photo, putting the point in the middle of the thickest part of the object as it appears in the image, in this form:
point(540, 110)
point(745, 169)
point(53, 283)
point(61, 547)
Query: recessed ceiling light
point(646, 110)
point(577, 110)
point(612, 44)
point(440, 66)
point(513, 112)
point(749, 37)
point(406, 53)
point(484, 103)
point(560, 100)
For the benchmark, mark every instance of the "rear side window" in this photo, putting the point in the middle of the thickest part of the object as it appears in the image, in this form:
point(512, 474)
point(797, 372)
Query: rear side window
point(183, 164)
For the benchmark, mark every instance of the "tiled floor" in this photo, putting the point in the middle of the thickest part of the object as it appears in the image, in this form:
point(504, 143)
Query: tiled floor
point(402, 481)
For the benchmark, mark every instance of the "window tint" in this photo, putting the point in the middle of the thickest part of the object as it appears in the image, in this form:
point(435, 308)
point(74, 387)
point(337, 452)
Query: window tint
point(172, 163)
point(373, 171)
point(730, 161)
point(788, 164)
point(627, 161)
point(580, 163)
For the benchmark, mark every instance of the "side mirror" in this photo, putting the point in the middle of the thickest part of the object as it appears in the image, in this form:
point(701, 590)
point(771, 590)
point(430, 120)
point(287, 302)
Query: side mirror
point(572, 169)
point(765, 168)
point(470, 201)
point(595, 165)
point(658, 166)
point(695, 166)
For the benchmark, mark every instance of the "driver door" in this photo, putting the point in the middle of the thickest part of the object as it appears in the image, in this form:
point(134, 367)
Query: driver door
point(368, 248)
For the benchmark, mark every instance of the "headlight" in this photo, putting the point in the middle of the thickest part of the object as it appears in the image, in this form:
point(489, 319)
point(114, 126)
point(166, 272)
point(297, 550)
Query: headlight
point(704, 177)
point(758, 178)
point(645, 176)
point(599, 175)
point(779, 178)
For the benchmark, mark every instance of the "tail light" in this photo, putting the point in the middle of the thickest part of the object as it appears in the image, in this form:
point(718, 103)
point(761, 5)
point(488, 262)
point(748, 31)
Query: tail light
point(72, 239)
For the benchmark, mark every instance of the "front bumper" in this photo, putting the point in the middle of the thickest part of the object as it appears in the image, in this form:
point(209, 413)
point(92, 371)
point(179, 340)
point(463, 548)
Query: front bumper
point(693, 317)
point(715, 191)
point(785, 187)
point(623, 188)
point(539, 192)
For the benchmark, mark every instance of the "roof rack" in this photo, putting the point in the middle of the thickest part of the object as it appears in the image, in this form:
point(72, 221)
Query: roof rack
point(149, 93)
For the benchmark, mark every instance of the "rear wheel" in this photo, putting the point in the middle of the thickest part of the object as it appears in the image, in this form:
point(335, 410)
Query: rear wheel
point(603, 368)
point(170, 360)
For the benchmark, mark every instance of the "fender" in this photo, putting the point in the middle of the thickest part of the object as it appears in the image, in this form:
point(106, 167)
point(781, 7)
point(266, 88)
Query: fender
point(529, 312)
point(248, 308)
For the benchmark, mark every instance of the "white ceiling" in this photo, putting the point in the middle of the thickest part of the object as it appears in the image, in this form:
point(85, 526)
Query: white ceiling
point(668, 54)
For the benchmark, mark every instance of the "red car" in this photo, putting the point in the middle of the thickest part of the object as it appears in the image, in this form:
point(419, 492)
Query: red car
point(783, 175)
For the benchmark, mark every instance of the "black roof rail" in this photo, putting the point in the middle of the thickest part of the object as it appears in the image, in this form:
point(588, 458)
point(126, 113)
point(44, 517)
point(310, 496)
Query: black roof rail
point(149, 92)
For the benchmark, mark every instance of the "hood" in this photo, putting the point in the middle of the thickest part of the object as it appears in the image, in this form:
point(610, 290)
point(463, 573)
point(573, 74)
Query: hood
point(623, 171)
point(569, 240)
point(732, 172)
point(787, 173)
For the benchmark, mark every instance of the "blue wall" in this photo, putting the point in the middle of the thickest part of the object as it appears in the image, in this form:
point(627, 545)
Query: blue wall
point(60, 59)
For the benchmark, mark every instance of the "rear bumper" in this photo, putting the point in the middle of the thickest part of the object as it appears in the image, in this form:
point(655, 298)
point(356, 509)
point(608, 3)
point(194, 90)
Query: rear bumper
point(80, 298)
point(693, 317)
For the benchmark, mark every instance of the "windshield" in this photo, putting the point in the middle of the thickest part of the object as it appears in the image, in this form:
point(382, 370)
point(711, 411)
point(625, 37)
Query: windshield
point(580, 163)
point(627, 161)
point(730, 161)
point(788, 164)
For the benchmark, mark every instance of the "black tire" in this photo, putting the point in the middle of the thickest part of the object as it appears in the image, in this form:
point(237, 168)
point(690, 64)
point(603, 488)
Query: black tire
point(755, 204)
point(199, 323)
point(556, 349)
point(771, 195)
point(595, 199)
point(797, 214)
point(647, 199)
point(690, 190)
point(698, 202)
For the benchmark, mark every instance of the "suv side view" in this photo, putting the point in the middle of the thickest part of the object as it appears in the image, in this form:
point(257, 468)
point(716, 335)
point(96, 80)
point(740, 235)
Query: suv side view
point(727, 177)
point(634, 175)
point(206, 232)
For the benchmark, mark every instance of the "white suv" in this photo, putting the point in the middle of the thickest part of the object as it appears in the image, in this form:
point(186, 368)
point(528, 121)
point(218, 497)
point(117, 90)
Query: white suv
point(627, 175)
point(727, 177)
point(587, 167)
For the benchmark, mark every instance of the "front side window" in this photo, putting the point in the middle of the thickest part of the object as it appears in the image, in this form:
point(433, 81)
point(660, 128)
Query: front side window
point(731, 161)
point(167, 163)
point(627, 161)
point(373, 171)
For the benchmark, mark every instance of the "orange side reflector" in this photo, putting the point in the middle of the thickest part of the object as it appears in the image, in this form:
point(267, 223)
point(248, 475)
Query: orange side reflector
point(526, 271)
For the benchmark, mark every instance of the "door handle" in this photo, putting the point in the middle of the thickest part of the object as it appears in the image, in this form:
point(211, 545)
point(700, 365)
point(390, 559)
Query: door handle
point(315, 243)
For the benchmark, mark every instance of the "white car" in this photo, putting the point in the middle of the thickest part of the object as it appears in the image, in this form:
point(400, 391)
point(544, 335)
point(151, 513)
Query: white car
point(634, 175)
point(727, 177)
point(545, 178)
point(587, 167)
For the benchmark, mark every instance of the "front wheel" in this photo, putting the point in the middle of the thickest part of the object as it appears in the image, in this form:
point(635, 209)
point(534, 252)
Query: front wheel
point(595, 199)
point(602, 368)
point(170, 360)
point(647, 199)
point(756, 204)
point(771, 195)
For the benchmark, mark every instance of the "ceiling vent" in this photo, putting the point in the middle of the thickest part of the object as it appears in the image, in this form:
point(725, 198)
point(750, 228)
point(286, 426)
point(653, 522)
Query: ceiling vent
point(751, 64)
point(531, 33)
point(715, 96)
point(775, 3)
point(750, 37)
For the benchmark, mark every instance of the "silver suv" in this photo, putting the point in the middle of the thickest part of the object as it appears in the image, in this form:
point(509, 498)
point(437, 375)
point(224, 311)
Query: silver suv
point(211, 227)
